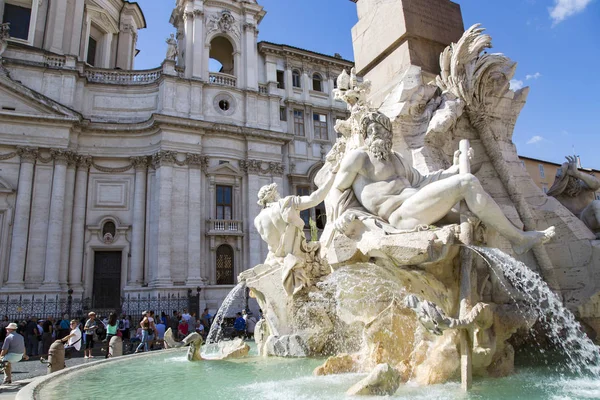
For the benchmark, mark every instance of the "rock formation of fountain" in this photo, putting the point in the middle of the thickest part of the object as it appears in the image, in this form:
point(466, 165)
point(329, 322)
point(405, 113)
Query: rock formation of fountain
point(387, 284)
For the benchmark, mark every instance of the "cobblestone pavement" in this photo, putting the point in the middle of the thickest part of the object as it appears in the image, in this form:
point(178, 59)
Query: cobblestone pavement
point(25, 371)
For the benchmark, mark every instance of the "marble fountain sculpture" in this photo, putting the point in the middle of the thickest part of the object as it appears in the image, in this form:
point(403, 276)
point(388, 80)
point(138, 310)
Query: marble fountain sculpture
point(413, 280)
point(396, 285)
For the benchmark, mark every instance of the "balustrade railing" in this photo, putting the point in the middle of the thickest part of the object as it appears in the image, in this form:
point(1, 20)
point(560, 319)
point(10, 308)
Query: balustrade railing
point(263, 89)
point(224, 226)
point(55, 61)
point(217, 78)
point(118, 77)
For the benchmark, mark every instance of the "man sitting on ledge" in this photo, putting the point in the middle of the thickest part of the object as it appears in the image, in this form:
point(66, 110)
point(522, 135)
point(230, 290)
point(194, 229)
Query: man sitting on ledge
point(388, 187)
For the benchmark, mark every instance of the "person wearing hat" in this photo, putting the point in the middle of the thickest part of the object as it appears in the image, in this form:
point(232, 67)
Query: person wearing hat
point(13, 350)
point(89, 328)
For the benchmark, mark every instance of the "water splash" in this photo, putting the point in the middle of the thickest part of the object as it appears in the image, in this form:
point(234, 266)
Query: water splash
point(583, 356)
point(216, 330)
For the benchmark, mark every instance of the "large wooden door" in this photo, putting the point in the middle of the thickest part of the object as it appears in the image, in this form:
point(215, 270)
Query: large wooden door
point(107, 280)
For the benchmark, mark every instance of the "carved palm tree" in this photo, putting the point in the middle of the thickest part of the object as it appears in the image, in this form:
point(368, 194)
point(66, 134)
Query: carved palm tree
point(480, 81)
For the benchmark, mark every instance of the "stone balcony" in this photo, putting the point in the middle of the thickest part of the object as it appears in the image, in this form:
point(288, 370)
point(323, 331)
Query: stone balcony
point(217, 78)
point(221, 227)
point(118, 77)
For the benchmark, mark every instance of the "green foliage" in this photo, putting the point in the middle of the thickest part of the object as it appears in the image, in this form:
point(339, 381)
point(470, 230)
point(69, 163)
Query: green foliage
point(314, 232)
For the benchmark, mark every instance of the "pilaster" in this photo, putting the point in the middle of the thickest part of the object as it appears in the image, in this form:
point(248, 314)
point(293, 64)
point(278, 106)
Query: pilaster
point(18, 250)
point(67, 223)
point(78, 229)
point(163, 163)
point(139, 221)
point(188, 21)
point(196, 163)
point(55, 221)
point(198, 52)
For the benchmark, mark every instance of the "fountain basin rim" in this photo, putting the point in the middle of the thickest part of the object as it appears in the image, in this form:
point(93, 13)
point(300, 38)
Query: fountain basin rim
point(32, 390)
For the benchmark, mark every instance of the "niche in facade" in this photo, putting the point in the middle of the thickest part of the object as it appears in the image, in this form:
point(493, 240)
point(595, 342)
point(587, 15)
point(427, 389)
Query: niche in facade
point(221, 56)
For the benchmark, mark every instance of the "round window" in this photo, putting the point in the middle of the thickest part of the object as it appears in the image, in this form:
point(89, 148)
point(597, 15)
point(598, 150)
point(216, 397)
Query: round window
point(224, 105)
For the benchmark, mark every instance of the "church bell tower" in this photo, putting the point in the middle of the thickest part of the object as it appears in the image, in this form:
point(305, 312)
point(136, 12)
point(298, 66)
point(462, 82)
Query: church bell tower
point(223, 31)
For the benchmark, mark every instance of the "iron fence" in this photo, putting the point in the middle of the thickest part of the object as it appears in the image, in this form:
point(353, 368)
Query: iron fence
point(135, 305)
point(43, 306)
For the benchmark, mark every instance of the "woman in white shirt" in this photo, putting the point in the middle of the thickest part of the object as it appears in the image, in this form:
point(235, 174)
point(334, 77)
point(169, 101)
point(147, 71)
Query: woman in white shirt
point(73, 340)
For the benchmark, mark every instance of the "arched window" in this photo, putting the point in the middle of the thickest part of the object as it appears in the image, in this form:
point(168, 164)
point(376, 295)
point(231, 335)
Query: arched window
point(224, 265)
point(296, 78)
point(317, 83)
point(109, 227)
point(221, 56)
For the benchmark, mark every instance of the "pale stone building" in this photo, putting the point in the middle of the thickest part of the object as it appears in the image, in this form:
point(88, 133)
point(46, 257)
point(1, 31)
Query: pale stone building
point(117, 182)
point(543, 172)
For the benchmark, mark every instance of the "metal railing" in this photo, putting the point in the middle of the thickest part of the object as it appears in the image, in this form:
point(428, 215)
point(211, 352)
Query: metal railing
point(118, 77)
point(23, 307)
point(217, 78)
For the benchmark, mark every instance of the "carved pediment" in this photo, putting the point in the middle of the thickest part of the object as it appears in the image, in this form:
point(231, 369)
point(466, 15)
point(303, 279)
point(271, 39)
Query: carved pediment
point(5, 187)
point(224, 169)
point(17, 98)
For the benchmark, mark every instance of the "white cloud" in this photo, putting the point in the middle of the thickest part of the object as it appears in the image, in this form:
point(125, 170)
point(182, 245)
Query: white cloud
point(516, 84)
point(563, 9)
point(534, 76)
point(535, 139)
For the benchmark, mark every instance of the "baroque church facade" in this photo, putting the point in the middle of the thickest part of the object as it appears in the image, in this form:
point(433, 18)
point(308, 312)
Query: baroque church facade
point(118, 182)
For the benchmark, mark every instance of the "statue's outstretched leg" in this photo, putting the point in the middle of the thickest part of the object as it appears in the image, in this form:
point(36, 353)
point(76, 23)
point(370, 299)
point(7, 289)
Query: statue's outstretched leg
point(433, 201)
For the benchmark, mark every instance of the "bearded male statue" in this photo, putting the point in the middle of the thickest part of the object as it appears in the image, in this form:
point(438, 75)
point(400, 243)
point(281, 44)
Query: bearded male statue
point(387, 186)
point(575, 190)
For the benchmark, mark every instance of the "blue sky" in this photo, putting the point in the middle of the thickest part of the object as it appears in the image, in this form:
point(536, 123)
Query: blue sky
point(555, 42)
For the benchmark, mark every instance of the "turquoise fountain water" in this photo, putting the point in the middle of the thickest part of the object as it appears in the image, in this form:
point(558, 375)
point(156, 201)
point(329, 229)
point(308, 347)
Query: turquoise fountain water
point(170, 374)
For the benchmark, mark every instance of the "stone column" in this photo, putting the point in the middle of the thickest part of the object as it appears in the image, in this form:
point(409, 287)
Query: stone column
point(306, 83)
point(198, 51)
point(55, 221)
point(20, 233)
point(106, 51)
point(251, 67)
point(212, 276)
point(63, 275)
point(78, 230)
point(254, 240)
point(56, 27)
point(188, 18)
point(126, 38)
point(139, 221)
point(163, 163)
point(195, 162)
point(289, 85)
point(76, 35)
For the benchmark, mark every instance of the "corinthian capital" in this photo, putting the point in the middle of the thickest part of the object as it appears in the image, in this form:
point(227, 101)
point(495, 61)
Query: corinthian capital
point(164, 157)
point(27, 154)
point(84, 162)
point(61, 157)
point(140, 162)
point(197, 160)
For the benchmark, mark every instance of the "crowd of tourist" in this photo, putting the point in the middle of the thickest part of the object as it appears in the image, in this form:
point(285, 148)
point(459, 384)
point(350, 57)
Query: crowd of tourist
point(33, 337)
